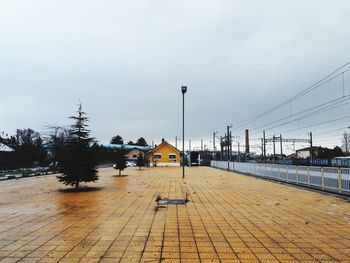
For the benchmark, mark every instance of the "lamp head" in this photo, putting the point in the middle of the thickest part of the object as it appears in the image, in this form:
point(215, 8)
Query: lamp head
point(183, 89)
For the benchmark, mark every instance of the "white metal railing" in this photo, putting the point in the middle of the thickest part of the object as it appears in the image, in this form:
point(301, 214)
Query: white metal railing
point(325, 178)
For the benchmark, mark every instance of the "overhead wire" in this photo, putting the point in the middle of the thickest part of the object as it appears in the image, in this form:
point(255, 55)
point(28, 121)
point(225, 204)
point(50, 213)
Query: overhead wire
point(330, 107)
point(334, 102)
point(316, 85)
point(315, 110)
point(317, 124)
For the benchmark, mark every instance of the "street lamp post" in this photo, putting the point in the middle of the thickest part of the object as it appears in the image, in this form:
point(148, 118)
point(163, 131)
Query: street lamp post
point(183, 90)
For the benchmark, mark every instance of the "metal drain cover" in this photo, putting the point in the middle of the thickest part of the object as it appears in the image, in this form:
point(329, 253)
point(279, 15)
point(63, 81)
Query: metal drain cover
point(172, 202)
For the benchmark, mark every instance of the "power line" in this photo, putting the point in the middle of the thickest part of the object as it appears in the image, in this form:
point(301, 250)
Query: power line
point(332, 102)
point(330, 107)
point(316, 85)
point(325, 132)
point(317, 124)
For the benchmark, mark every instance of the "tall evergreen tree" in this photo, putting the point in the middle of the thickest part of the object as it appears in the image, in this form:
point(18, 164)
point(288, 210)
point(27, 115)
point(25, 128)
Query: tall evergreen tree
point(141, 142)
point(117, 140)
point(78, 160)
point(120, 161)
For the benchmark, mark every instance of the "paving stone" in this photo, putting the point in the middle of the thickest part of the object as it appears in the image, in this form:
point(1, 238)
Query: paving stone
point(229, 218)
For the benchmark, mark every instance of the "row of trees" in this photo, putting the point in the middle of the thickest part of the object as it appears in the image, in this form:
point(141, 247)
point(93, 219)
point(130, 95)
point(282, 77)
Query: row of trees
point(28, 147)
point(119, 140)
point(74, 150)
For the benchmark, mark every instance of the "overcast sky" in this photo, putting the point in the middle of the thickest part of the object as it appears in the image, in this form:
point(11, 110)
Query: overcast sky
point(126, 61)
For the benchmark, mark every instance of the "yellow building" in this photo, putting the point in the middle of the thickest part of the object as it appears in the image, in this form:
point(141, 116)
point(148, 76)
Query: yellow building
point(164, 155)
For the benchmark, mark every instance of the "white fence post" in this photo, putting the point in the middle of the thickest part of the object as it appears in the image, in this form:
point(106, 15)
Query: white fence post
point(271, 173)
point(255, 165)
point(325, 178)
point(297, 175)
point(339, 181)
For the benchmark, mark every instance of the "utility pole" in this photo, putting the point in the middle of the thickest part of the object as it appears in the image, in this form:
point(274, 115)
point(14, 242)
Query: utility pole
point(214, 150)
point(311, 148)
point(281, 146)
point(189, 152)
point(228, 141)
point(225, 147)
point(239, 153)
point(221, 156)
point(264, 150)
point(202, 145)
point(176, 142)
point(230, 146)
point(274, 148)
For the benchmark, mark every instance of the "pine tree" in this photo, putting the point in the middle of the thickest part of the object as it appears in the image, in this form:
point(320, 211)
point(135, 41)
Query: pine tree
point(78, 160)
point(120, 161)
point(140, 161)
point(117, 140)
point(131, 143)
point(141, 142)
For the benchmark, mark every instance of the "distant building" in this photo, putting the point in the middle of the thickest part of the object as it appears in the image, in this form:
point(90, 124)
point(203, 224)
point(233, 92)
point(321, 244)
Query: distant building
point(7, 155)
point(318, 152)
point(164, 155)
point(5, 148)
point(305, 152)
point(134, 153)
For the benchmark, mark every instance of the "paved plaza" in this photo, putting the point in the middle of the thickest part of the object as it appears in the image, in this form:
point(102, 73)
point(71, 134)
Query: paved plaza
point(229, 218)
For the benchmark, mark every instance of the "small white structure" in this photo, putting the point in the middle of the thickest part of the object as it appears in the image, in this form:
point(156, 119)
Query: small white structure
point(305, 152)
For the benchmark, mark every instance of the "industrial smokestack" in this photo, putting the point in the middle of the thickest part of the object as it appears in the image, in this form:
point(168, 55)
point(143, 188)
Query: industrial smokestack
point(247, 141)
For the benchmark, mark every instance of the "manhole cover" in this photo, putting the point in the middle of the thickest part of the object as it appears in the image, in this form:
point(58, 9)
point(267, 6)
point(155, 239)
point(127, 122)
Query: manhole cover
point(171, 202)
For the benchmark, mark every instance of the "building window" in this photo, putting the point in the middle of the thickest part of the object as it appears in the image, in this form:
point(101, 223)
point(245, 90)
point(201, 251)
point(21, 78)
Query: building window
point(134, 156)
point(157, 156)
point(172, 157)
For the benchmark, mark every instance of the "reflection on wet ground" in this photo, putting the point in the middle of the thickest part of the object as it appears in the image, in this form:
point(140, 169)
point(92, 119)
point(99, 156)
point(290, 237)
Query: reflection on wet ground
point(229, 218)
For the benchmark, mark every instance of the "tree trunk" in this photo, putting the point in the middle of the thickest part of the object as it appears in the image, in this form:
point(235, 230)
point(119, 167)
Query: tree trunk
point(120, 172)
point(76, 184)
